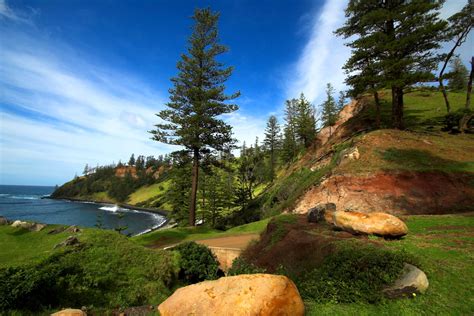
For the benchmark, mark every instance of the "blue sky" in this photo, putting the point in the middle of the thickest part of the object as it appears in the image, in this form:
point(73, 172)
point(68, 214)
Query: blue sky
point(80, 81)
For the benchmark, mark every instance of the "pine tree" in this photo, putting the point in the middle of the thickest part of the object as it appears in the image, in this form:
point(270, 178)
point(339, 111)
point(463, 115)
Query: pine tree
point(329, 114)
point(289, 145)
point(398, 38)
point(305, 122)
point(131, 161)
point(86, 170)
point(272, 142)
point(457, 76)
point(197, 99)
point(460, 24)
point(341, 101)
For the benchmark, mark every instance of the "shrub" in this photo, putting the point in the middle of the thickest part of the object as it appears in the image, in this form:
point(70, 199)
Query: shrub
point(352, 274)
point(452, 119)
point(241, 266)
point(197, 262)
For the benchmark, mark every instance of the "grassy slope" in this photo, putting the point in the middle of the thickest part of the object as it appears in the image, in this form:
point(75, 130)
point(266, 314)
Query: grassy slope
point(170, 236)
point(444, 246)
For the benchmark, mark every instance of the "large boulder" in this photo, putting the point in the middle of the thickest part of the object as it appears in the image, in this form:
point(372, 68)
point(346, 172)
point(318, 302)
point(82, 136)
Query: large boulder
point(412, 281)
point(318, 213)
point(36, 227)
point(246, 294)
point(70, 312)
point(381, 224)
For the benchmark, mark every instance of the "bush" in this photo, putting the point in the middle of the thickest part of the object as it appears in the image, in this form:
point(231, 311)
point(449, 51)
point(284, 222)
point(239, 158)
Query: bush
point(452, 119)
point(352, 274)
point(106, 271)
point(197, 262)
point(241, 266)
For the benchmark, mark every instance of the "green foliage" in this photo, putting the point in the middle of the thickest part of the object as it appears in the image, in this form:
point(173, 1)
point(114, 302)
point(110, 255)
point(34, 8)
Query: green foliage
point(241, 266)
point(452, 119)
point(105, 270)
point(393, 45)
point(197, 262)
point(352, 274)
point(272, 143)
point(329, 115)
point(457, 77)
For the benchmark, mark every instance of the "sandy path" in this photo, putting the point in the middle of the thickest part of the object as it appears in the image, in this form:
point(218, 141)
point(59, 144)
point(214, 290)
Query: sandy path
point(240, 241)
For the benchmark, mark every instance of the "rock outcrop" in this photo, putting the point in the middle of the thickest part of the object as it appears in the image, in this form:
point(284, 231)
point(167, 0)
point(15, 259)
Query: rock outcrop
point(247, 294)
point(3, 221)
point(412, 281)
point(320, 212)
point(381, 224)
point(35, 227)
point(70, 241)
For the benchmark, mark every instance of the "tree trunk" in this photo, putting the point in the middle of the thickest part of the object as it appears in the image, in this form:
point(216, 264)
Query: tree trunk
point(445, 94)
point(469, 85)
point(192, 205)
point(397, 107)
point(377, 109)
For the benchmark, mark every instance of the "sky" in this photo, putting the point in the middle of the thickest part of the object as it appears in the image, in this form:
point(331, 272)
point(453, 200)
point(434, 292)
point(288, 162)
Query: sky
point(81, 81)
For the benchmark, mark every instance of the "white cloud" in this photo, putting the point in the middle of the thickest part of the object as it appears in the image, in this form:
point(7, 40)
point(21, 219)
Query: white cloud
point(7, 13)
point(323, 56)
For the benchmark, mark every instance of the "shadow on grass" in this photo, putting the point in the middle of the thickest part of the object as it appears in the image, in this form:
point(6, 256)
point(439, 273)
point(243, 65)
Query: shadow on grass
point(19, 232)
point(422, 160)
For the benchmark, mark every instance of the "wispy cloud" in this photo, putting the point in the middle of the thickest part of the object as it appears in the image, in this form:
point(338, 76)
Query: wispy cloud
point(323, 55)
point(8, 14)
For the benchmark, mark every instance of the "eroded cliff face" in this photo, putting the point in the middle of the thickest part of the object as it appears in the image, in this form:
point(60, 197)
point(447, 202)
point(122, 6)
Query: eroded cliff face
point(397, 193)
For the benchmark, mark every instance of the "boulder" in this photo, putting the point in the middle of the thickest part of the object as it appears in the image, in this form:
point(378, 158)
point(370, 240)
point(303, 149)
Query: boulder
point(20, 224)
point(70, 312)
point(3, 221)
point(412, 281)
point(36, 227)
point(318, 213)
point(70, 241)
point(73, 229)
point(381, 224)
point(246, 294)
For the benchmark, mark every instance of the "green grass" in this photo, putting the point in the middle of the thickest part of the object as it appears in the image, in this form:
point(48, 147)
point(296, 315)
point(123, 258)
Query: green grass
point(149, 192)
point(19, 246)
point(170, 236)
point(444, 247)
point(106, 271)
point(423, 109)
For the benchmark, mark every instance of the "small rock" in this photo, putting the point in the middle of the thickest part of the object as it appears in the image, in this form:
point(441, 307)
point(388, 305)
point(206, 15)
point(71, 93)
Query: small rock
point(57, 230)
point(70, 241)
point(412, 281)
point(381, 224)
point(69, 312)
point(73, 229)
point(246, 294)
point(318, 213)
point(3, 221)
point(36, 227)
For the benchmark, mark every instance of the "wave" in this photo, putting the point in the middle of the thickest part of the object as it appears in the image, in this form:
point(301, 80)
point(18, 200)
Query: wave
point(113, 208)
point(20, 197)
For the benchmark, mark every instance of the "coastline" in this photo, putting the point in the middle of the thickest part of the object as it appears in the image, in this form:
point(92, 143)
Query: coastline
point(125, 206)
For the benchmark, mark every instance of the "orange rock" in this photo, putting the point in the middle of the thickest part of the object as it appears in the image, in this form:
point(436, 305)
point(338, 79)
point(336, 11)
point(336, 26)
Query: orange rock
point(381, 224)
point(246, 294)
point(69, 312)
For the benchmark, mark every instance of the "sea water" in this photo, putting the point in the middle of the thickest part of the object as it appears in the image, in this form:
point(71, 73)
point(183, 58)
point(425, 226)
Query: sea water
point(27, 203)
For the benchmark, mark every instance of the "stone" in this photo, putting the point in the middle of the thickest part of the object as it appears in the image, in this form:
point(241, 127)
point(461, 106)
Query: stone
point(70, 312)
point(318, 213)
point(246, 294)
point(35, 227)
point(70, 241)
point(381, 224)
point(412, 281)
point(3, 221)
point(73, 229)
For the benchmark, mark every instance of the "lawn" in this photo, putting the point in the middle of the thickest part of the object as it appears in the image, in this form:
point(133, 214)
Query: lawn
point(148, 192)
point(171, 236)
point(444, 247)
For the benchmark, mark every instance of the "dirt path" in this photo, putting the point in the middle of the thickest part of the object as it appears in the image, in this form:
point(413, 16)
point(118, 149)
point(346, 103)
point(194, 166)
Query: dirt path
point(239, 242)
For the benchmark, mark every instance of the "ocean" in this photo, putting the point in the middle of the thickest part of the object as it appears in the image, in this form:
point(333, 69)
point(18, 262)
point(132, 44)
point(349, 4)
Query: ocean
point(26, 203)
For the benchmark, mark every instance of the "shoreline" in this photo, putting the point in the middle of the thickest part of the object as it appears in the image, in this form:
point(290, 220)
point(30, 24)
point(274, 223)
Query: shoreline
point(125, 206)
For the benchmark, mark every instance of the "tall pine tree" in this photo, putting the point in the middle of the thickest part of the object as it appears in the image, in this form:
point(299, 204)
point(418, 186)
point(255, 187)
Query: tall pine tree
point(272, 142)
point(329, 114)
point(305, 121)
point(197, 99)
point(401, 37)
